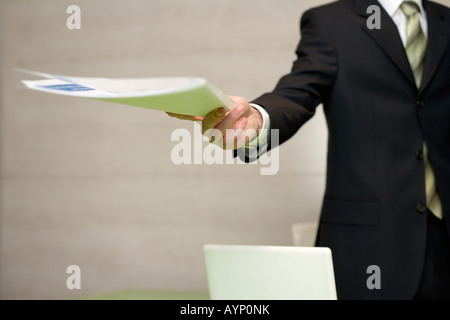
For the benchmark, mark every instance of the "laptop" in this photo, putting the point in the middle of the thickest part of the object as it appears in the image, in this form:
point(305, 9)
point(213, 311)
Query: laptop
point(242, 272)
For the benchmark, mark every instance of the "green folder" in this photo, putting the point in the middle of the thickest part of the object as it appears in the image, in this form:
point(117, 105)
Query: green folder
point(183, 95)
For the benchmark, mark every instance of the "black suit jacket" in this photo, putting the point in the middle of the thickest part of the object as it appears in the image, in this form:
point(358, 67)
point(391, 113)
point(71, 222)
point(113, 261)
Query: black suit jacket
point(372, 211)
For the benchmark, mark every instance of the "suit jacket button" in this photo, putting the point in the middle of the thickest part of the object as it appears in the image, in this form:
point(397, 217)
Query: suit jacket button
point(419, 154)
point(421, 208)
point(419, 104)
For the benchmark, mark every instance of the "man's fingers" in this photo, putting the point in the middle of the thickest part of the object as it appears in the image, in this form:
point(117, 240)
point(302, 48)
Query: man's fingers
point(236, 136)
point(232, 117)
point(213, 118)
point(228, 129)
point(185, 117)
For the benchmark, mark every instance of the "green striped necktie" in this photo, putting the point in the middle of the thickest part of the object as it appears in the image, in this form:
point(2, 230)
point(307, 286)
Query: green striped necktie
point(416, 44)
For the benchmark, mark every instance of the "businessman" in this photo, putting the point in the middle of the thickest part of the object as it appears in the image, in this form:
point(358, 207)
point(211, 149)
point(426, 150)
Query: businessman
point(386, 97)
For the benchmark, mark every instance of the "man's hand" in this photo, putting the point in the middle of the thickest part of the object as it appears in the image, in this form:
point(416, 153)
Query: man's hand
point(232, 129)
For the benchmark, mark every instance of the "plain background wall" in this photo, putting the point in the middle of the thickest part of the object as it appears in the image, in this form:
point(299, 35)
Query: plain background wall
point(92, 183)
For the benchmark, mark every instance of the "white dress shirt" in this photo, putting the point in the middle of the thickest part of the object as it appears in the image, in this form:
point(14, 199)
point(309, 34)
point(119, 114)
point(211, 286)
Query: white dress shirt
point(392, 7)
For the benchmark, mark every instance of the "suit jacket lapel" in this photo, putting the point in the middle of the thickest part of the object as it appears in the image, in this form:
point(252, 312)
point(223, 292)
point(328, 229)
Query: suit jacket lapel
point(387, 37)
point(438, 38)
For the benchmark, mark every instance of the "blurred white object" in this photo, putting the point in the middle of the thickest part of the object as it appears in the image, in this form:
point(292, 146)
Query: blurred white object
point(252, 272)
point(304, 233)
point(193, 96)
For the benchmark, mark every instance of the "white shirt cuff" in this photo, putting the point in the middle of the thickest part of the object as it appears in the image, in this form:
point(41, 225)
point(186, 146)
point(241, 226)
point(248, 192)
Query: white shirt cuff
point(262, 137)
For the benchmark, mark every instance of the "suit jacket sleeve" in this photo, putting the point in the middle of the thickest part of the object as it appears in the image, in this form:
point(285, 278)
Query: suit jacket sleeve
point(296, 96)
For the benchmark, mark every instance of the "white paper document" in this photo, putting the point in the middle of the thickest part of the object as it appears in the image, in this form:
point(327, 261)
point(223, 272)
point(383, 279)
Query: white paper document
point(184, 95)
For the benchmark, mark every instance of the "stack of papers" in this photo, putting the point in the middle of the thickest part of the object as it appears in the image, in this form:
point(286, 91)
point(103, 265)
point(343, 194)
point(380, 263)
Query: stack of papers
point(183, 95)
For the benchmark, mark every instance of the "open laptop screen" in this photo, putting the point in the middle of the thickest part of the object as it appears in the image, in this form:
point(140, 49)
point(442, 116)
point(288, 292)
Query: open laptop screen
point(238, 272)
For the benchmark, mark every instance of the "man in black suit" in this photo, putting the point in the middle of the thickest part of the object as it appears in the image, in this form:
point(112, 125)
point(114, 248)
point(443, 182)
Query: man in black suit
point(386, 97)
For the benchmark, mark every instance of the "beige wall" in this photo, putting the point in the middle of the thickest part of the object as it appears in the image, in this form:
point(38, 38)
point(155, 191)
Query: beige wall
point(92, 184)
